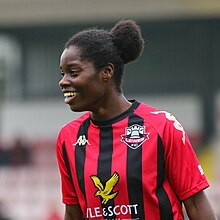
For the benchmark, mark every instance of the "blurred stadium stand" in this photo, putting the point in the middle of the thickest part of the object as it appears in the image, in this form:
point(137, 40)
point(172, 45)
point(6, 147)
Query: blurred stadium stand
point(31, 191)
point(178, 72)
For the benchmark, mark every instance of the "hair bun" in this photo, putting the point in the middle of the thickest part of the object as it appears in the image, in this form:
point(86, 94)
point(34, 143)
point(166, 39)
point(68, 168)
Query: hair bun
point(127, 38)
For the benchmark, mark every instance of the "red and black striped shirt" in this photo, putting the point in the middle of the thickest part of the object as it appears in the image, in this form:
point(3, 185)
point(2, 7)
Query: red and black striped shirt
point(139, 165)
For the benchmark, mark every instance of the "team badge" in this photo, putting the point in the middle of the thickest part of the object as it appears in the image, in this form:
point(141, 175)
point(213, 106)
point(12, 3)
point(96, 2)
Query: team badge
point(134, 136)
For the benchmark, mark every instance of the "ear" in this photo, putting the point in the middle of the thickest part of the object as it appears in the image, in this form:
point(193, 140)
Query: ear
point(108, 72)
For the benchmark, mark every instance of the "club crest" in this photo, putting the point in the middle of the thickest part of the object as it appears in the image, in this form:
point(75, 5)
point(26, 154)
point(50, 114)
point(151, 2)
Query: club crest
point(134, 136)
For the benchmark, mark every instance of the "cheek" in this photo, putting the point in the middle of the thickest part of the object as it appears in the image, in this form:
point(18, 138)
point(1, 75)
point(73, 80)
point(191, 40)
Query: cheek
point(94, 86)
point(92, 93)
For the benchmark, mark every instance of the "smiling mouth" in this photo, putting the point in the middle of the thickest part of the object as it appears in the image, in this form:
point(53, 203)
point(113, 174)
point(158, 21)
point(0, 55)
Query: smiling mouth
point(69, 94)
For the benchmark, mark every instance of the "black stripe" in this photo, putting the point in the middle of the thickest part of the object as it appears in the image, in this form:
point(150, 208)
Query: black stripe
point(66, 160)
point(105, 159)
point(80, 155)
point(163, 199)
point(134, 172)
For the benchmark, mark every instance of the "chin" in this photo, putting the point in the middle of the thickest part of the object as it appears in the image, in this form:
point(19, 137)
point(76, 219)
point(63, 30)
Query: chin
point(77, 108)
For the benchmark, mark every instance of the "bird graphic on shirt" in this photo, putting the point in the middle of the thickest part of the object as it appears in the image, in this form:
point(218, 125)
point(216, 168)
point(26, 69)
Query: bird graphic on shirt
point(106, 192)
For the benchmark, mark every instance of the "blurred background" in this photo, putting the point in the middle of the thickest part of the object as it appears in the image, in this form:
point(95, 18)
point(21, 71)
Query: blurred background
point(178, 72)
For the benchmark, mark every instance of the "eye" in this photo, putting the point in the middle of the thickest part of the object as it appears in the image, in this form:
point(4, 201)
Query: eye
point(74, 72)
point(62, 73)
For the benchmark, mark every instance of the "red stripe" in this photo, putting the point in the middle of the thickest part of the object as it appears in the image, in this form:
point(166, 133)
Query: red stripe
point(149, 172)
point(119, 165)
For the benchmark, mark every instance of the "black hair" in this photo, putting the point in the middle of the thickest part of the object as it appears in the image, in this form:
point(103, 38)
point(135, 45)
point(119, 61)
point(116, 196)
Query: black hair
point(119, 46)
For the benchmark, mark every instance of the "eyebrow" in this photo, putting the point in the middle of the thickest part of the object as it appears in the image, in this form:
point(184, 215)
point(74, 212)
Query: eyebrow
point(70, 65)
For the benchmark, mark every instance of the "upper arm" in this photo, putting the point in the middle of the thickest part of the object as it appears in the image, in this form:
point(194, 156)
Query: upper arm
point(68, 189)
point(73, 212)
point(198, 207)
point(181, 163)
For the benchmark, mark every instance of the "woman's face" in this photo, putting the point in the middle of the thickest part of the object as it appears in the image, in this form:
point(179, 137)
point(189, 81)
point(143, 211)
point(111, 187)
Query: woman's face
point(83, 87)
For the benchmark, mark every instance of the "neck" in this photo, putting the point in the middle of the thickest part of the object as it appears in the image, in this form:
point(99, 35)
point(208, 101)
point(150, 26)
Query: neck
point(111, 108)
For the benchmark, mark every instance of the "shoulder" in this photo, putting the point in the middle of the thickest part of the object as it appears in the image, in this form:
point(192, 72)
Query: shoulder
point(152, 114)
point(162, 120)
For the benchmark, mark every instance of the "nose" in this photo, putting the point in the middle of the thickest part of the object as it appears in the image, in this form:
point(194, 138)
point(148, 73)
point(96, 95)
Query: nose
point(64, 81)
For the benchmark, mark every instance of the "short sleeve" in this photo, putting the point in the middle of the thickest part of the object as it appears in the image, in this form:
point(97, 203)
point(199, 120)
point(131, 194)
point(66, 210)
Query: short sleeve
point(183, 169)
point(68, 191)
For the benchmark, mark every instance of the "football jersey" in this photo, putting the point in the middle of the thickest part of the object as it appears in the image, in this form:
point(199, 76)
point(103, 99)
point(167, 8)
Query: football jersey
point(138, 165)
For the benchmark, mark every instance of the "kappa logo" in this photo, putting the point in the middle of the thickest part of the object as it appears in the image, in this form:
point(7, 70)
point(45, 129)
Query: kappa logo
point(106, 192)
point(81, 141)
point(135, 136)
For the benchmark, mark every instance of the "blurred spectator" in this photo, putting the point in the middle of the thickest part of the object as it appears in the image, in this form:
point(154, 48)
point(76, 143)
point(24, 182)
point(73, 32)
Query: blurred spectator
point(4, 156)
point(18, 154)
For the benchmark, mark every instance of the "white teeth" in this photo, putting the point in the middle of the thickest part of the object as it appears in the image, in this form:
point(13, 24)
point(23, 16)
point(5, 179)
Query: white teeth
point(69, 94)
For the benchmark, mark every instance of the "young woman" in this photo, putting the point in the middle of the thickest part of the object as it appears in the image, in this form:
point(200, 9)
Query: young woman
point(122, 159)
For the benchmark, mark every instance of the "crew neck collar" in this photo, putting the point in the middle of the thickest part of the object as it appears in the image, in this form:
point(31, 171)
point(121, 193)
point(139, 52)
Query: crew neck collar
point(133, 107)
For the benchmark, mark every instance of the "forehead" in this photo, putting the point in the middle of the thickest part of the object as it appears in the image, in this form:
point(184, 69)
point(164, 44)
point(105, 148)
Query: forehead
point(71, 58)
point(69, 54)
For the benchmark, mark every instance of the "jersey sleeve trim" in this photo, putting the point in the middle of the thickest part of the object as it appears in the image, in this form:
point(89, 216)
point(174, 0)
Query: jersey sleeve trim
point(70, 201)
point(203, 185)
